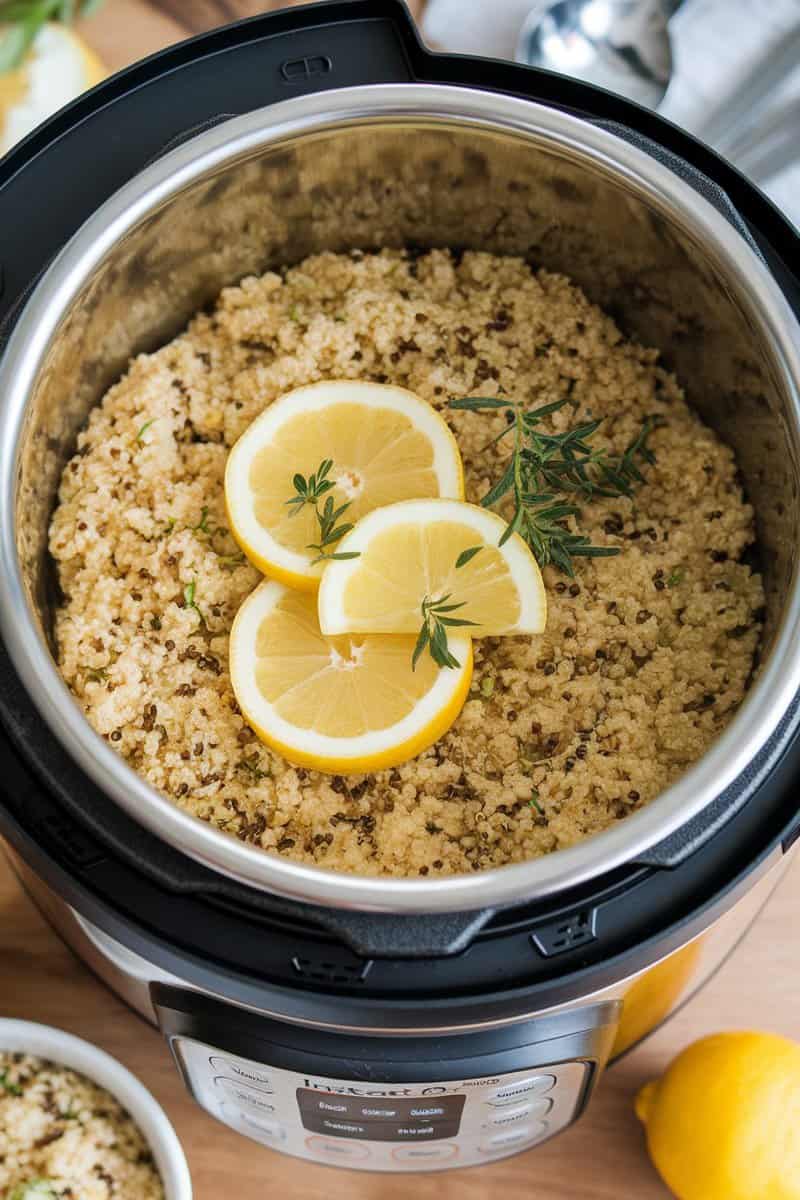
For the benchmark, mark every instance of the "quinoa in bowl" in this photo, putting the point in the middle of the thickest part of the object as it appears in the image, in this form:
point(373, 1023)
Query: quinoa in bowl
point(646, 655)
point(64, 1136)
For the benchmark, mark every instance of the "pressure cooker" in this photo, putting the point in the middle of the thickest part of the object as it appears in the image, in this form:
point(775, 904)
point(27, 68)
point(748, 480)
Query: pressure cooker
point(381, 1023)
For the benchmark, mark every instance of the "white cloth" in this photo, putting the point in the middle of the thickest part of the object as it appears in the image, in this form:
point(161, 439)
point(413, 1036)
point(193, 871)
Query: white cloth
point(714, 42)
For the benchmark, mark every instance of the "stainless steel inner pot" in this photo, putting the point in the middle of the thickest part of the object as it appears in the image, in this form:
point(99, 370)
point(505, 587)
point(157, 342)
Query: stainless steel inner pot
point(385, 165)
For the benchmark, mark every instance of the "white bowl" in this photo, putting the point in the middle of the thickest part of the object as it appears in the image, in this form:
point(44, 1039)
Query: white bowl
point(28, 1037)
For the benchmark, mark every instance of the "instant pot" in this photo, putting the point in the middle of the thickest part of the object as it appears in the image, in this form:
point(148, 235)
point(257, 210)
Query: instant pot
point(384, 1024)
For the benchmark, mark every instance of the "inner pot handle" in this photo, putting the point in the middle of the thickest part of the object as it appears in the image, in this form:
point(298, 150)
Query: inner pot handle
point(701, 183)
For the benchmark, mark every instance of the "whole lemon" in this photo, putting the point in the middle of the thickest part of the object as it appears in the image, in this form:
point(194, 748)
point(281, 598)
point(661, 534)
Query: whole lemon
point(723, 1122)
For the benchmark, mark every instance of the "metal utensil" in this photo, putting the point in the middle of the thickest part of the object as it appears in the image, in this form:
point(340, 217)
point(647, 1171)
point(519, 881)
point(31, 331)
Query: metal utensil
point(621, 45)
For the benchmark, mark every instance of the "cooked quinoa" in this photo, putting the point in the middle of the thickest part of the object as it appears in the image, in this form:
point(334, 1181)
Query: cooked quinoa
point(68, 1136)
point(646, 655)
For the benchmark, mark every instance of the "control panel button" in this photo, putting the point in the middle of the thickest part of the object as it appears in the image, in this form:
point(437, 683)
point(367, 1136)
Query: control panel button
point(252, 1124)
point(333, 1149)
point(340, 1128)
point(511, 1093)
point(428, 1112)
point(513, 1137)
point(436, 1152)
point(245, 1095)
point(248, 1072)
point(377, 1112)
point(409, 1133)
point(508, 1114)
point(272, 1131)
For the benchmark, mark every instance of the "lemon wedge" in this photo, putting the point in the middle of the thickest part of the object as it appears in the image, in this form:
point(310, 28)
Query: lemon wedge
point(56, 69)
point(385, 444)
point(432, 550)
point(348, 704)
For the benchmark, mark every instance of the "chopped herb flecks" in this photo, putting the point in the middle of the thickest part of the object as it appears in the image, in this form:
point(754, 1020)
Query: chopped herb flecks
point(144, 429)
point(202, 525)
point(13, 1089)
point(189, 601)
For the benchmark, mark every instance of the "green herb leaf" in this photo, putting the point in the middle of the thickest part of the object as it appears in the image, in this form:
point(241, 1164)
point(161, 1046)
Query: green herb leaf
point(436, 621)
point(480, 403)
point(310, 491)
point(34, 1189)
point(202, 524)
point(189, 593)
point(252, 768)
point(534, 802)
point(546, 471)
point(504, 484)
point(144, 429)
point(229, 562)
point(25, 18)
point(422, 641)
point(14, 45)
point(13, 1089)
point(96, 674)
point(676, 576)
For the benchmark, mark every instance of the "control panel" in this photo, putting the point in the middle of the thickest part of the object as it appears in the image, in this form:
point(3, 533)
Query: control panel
point(375, 1125)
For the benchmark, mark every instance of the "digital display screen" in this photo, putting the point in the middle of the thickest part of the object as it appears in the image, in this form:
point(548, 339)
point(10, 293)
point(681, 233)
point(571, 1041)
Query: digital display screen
point(380, 1118)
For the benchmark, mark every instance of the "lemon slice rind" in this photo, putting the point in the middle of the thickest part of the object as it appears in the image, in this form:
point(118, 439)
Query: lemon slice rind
point(375, 749)
point(293, 567)
point(485, 528)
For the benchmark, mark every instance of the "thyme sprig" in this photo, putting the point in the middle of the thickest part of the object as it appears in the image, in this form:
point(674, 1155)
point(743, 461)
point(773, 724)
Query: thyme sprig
point(311, 491)
point(24, 19)
point(436, 621)
point(547, 472)
point(433, 633)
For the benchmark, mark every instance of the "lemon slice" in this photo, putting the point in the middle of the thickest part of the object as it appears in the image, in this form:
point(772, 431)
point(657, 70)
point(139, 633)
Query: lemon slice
point(56, 69)
point(348, 704)
point(408, 553)
point(385, 443)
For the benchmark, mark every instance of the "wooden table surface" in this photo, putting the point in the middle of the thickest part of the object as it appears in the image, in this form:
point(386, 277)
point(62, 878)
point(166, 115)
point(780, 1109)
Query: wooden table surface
point(125, 30)
point(602, 1158)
